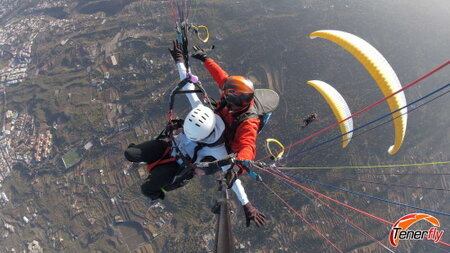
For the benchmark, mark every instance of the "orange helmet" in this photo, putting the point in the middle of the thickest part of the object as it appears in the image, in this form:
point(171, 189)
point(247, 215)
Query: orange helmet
point(238, 91)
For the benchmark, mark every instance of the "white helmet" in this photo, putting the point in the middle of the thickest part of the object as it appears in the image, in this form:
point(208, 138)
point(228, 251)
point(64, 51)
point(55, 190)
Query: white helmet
point(199, 123)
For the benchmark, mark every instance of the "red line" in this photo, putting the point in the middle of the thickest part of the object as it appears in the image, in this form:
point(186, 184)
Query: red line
point(444, 243)
point(365, 109)
point(301, 216)
point(324, 196)
point(173, 12)
point(348, 220)
point(337, 201)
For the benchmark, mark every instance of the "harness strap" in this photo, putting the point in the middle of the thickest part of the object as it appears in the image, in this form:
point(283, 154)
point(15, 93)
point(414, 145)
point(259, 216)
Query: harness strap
point(199, 89)
point(201, 145)
point(249, 114)
point(176, 90)
point(161, 160)
point(186, 173)
point(188, 91)
point(197, 148)
point(171, 126)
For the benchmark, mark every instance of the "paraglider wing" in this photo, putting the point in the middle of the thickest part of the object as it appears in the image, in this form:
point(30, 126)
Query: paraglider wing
point(338, 106)
point(380, 70)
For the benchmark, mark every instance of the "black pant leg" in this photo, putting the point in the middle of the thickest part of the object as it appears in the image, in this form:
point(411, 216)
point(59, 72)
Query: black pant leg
point(148, 152)
point(160, 176)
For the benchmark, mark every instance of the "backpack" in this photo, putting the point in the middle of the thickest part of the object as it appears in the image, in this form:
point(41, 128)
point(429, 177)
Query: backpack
point(266, 101)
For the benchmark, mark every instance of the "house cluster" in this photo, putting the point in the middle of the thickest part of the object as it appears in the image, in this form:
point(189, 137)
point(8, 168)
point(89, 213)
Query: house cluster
point(6, 161)
point(43, 145)
point(6, 6)
point(16, 132)
point(17, 39)
point(17, 50)
point(6, 230)
point(51, 4)
point(18, 142)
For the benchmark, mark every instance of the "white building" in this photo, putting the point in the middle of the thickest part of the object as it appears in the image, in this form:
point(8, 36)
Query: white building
point(34, 247)
point(114, 60)
point(4, 197)
point(88, 145)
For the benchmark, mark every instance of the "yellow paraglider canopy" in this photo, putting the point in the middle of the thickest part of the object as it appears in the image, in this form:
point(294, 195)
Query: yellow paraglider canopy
point(338, 106)
point(380, 70)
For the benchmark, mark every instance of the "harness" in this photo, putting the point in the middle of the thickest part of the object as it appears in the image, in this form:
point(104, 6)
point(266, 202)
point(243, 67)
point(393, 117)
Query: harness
point(172, 125)
point(182, 29)
point(249, 114)
point(161, 160)
point(201, 145)
point(265, 102)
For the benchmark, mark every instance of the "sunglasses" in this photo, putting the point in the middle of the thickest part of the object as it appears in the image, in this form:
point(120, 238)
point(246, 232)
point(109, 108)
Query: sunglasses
point(237, 98)
point(233, 100)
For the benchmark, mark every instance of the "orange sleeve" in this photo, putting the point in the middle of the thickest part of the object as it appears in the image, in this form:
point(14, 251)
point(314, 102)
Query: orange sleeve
point(218, 74)
point(244, 143)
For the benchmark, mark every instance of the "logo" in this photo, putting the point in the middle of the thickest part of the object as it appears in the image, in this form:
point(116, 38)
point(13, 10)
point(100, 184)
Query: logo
point(400, 230)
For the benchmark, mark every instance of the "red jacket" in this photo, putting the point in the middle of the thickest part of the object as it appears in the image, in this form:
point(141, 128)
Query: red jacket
point(244, 141)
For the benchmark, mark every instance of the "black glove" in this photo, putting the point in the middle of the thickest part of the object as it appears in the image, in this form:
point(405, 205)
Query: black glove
point(176, 124)
point(252, 214)
point(177, 51)
point(199, 53)
point(232, 175)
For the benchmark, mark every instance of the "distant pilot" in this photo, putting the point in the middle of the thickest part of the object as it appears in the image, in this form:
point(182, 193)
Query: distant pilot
point(308, 120)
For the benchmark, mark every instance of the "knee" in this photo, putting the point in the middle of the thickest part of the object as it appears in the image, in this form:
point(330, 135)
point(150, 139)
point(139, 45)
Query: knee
point(133, 154)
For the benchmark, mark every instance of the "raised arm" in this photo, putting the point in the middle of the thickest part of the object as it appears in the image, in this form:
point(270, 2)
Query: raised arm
point(213, 68)
point(194, 100)
point(216, 72)
point(177, 55)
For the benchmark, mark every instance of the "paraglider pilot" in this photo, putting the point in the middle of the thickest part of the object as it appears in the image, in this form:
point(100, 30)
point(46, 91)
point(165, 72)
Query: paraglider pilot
point(308, 120)
point(200, 140)
point(237, 97)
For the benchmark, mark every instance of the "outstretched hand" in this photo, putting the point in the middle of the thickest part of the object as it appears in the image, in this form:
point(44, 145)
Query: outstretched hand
point(177, 51)
point(252, 214)
point(199, 53)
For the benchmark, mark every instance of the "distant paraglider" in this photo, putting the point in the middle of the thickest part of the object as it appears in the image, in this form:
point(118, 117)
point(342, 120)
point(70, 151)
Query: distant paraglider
point(309, 119)
point(380, 70)
point(338, 106)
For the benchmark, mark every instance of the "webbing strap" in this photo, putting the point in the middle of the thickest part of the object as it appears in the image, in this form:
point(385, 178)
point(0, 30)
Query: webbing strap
point(160, 160)
point(188, 91)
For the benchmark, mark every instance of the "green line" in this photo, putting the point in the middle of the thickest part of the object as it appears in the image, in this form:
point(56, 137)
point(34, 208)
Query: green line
point(361, 167)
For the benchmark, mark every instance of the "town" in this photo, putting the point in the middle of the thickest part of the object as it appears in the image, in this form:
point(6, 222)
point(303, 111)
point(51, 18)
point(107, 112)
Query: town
point(55, 170)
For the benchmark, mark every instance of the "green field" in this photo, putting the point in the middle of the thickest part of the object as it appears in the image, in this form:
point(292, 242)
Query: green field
point(71, 158)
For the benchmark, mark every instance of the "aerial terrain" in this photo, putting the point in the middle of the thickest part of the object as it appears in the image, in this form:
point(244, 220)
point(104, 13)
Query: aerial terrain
point(81, 80)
